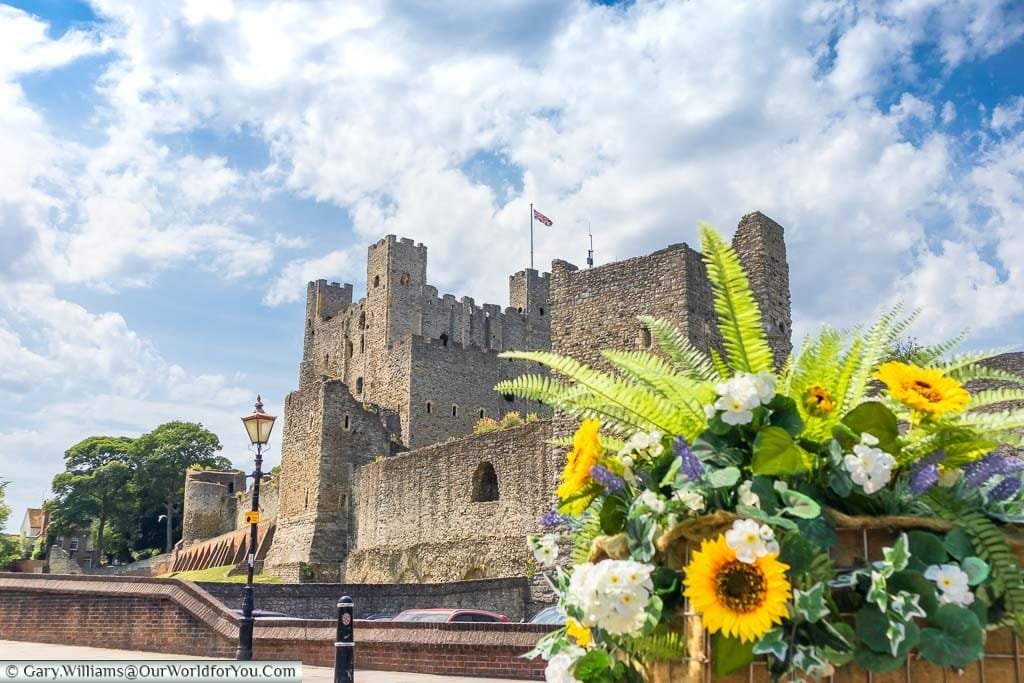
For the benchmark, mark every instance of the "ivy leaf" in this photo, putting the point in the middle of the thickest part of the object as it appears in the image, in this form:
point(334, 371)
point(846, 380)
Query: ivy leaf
point(898, 556)
point(724, 477)
point(592, 665)
point(811, 604)
point(840, 656)
point(773, 643)
point(907, 605)
point(799, 505)
point(640, 537)
point(976, 570)
point(912, 582)
point(878, 593)
point(776, 453)
point(954, 638)
point(730, 654)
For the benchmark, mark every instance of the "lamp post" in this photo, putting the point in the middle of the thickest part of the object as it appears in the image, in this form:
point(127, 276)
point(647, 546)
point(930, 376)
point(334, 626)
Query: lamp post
point(258, 425)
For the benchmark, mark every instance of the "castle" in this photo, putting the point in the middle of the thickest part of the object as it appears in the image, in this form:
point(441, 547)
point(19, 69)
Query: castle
point(382, 479)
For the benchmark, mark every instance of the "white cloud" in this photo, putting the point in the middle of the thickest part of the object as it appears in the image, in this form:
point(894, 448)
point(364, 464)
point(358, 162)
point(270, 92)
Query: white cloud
point(290, 285)
point(1006, 117)
point(948, 113)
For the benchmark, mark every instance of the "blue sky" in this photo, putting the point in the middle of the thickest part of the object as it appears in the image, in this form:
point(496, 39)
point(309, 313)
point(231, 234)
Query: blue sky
point(173, 175)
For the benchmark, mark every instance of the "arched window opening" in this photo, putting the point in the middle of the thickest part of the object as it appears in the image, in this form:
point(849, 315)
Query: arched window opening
point(359, 385)
point(376, 281)
point(362, 320)
point(362, 343)
point(430, 407)
point(347, 422)
point(520, 309)
point(485, 483)
point(327, 359)
point(455, 411)
point(406, 278)
point(481, 413)
point(509, 397)
point(444, 339)
point(231, 487)
point(348, 348)
point(542, 310)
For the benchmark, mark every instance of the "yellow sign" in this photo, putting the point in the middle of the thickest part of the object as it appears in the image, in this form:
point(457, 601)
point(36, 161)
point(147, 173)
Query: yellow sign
point(252, 518)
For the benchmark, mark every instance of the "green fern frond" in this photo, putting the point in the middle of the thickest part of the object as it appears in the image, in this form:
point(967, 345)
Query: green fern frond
point(877, 342)
point(1007, 577)
point(721, 367)
point(929, 355)
point(691, 361)
point(661, 377)
point(739, 318)
point(584, 538)
point(665, 643)
point(976, 372)
point(993, 397)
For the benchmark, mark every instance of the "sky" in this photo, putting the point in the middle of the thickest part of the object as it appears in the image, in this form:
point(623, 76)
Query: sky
point(174, 173)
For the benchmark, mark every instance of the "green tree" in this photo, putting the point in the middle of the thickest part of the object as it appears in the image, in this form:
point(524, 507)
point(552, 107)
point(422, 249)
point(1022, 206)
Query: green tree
point(160, 459)
point(94, 487)
point(10, 548)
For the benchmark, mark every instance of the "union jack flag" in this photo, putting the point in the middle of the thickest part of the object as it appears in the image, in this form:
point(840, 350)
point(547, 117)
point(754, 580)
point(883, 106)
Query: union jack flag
point(542, 218)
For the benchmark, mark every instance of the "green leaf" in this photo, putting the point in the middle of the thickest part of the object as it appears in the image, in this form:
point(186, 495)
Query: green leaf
point(640, 537)
point(670, 476)
point(875, 631)
point(730, 654)
point(785, 414)
point(976, 570)
point(592, 664)
point(718, 450)
point(876, 662)
point(818, 531)
point(958, 544)
point(899, 554)
point(613, 515)
point(926, 549)
point(799, 505)
point(841, 656)
point(874, 418)
point(776, 453)
point(913, 581)
point(878, 591)
point(955, 637)
point(840, 482)
point(810, 604)
point(796, 552)
point(725, 477)
point(773, 643)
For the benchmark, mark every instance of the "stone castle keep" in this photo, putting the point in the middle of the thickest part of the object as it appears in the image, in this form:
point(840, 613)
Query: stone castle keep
point(382, 479)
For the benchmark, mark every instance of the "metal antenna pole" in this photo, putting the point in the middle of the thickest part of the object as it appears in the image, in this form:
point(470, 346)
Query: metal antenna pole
point(590, 252)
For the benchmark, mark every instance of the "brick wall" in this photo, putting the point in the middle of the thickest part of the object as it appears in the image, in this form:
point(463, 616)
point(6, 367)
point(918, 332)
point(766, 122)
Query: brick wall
point(166, 615)
point(510, 597)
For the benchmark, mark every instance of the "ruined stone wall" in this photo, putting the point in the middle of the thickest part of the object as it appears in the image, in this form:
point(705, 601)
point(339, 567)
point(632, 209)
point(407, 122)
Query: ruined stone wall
point(270, 498)
point(417, 520)
point(210, 503)
point(326, 434)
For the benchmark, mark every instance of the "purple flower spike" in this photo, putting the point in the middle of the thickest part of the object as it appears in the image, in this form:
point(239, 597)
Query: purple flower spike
point(691, 465)
point(1004, 489)
point(552, 519)
point(979, 472)
point(603, 476)
point(923, 477)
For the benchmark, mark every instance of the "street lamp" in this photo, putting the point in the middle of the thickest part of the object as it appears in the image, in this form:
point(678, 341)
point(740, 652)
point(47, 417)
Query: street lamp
point(258, 425)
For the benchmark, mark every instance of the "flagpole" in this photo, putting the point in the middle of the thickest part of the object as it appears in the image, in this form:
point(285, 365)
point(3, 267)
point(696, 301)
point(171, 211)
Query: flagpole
point(531, 235)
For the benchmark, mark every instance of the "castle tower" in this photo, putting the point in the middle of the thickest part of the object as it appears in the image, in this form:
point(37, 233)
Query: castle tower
point(323, 302)
point(396, 271)
point(528, 294)
point(761, 246)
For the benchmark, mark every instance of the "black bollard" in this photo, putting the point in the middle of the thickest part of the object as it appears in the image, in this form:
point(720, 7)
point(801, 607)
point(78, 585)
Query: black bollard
point(344, 645)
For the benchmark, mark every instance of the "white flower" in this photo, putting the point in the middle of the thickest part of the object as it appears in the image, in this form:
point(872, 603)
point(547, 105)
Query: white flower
point(748, 497)
point(710, 411)
point(738, 396)
point(764, 384)
point(868, 439)
point(642, 441)
point(953, 583)
point(691, 499)
point(780, 486)
point(557, 670)
point(652, 500)
point(545, 549)
point(613, 594)
point(750, 540)
point(870, 467)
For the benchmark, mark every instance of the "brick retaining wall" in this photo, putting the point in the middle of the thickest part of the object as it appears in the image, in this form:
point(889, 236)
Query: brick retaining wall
point(173, 616)
point(510, 597)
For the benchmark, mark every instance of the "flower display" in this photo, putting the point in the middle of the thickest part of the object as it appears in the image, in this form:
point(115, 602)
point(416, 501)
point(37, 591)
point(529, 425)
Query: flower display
point(713, 486)
point(739, 597)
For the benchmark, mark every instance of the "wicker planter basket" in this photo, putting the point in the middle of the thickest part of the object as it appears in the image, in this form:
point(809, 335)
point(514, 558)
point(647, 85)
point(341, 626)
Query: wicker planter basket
point(859, 539)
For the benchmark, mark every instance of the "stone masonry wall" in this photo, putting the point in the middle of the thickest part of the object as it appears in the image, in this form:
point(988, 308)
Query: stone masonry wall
point(418, 522)
point(327, 433)
point(210, 503)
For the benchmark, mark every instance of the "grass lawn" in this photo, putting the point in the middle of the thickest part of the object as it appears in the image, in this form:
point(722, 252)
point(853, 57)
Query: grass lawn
point(220, 575)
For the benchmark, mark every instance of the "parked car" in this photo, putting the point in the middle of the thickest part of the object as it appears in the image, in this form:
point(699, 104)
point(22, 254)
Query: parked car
point(549, 615)
point(263, 614)
point(380, 616)
point(450, 615)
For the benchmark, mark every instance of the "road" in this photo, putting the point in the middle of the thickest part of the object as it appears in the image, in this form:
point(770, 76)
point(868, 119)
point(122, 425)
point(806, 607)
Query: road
point(10, 649)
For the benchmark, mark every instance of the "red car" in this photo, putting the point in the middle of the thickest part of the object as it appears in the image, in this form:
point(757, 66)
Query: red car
point(450, 615)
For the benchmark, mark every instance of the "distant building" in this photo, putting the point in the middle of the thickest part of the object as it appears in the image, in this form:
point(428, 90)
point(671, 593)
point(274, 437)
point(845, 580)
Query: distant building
point(78, 544)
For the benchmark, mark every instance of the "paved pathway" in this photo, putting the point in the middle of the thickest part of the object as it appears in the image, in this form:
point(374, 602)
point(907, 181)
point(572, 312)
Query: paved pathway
point(10, 649)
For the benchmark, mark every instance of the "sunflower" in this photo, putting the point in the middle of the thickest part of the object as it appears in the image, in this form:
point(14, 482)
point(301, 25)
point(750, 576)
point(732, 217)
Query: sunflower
point(739, 599)
point(818, 402)
point(586, 449)
point(925, 390)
